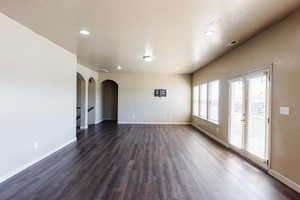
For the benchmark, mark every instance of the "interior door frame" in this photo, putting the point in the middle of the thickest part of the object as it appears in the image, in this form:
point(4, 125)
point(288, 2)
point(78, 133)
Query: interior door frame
point(267, 164)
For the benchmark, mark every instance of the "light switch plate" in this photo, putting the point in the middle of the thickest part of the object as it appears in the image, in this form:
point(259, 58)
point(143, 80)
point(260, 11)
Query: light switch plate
point(284, 110)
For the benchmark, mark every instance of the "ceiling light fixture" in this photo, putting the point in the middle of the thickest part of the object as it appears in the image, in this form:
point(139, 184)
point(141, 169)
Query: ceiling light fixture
point(119, 67)
point(147, 58)
point(209, 33)
point(84, 32)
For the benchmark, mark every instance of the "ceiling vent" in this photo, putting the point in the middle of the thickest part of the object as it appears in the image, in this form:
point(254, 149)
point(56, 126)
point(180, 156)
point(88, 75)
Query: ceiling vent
point(233, 43)
point(102, 70)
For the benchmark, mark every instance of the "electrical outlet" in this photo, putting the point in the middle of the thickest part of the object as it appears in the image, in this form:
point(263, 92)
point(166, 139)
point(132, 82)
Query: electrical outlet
point(133, 116)
point(284, 110)
point(36, 145)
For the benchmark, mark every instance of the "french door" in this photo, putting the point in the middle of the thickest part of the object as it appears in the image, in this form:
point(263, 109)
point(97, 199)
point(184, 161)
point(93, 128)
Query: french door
point(249, 115)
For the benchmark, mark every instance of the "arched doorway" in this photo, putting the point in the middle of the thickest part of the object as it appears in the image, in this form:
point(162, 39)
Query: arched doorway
point(80, 107)
point(91, 101)
point(109, 100)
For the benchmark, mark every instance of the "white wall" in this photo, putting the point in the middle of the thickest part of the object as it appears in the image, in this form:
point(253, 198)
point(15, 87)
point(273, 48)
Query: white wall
point(136, 103)
point(37, 104)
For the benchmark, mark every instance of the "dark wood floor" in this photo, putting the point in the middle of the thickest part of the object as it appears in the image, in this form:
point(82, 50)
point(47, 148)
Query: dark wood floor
point(137, 162)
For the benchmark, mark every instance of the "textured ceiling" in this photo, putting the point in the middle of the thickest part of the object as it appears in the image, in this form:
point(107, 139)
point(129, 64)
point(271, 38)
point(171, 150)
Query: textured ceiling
point(175, 32)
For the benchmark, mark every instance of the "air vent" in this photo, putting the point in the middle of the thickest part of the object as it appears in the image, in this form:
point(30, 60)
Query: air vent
point(102, 70)
point(233, 43)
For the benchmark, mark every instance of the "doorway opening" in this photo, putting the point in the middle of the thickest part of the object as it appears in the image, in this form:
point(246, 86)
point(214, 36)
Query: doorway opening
point(91, 101)
point(80, 107)
point(109, 100)
point(249, 115)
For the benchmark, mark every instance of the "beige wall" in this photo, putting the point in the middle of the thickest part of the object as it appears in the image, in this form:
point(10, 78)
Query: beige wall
point(279, 45)
point(136, 101)
point(38, 97)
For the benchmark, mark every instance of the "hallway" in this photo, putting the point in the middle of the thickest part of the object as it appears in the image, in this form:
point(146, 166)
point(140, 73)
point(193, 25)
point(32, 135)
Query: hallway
point(166, 162)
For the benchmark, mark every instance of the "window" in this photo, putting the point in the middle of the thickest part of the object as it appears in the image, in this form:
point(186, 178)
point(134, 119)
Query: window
point(196, 100)
point(213, 101)
point(206, 101)
point(203, 101)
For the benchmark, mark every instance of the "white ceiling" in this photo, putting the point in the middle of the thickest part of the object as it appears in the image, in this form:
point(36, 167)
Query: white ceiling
point(174, 31)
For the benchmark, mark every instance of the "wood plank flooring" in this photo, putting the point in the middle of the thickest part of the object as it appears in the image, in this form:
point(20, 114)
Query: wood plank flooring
point(144, 162)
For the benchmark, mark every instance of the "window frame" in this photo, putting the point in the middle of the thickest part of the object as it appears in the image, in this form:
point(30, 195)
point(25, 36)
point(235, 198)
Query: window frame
point(195, 101)
point(208, 104)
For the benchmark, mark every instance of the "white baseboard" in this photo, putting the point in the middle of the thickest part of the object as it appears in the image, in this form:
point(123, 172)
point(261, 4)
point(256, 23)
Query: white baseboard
point(211, 136)
point(285, 180)
point(18, 170)
point(98, 122)
point(272, 172)
point(157, 123)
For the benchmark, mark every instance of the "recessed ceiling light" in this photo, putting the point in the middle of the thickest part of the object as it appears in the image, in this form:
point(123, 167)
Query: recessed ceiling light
point(209, 33)
point(84, 32)
point(119, 67)
point(147, 58)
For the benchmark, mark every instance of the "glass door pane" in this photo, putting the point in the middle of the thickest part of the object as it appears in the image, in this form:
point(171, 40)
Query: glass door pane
point(203, 101)
point(236, 113)
point(257, 115)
